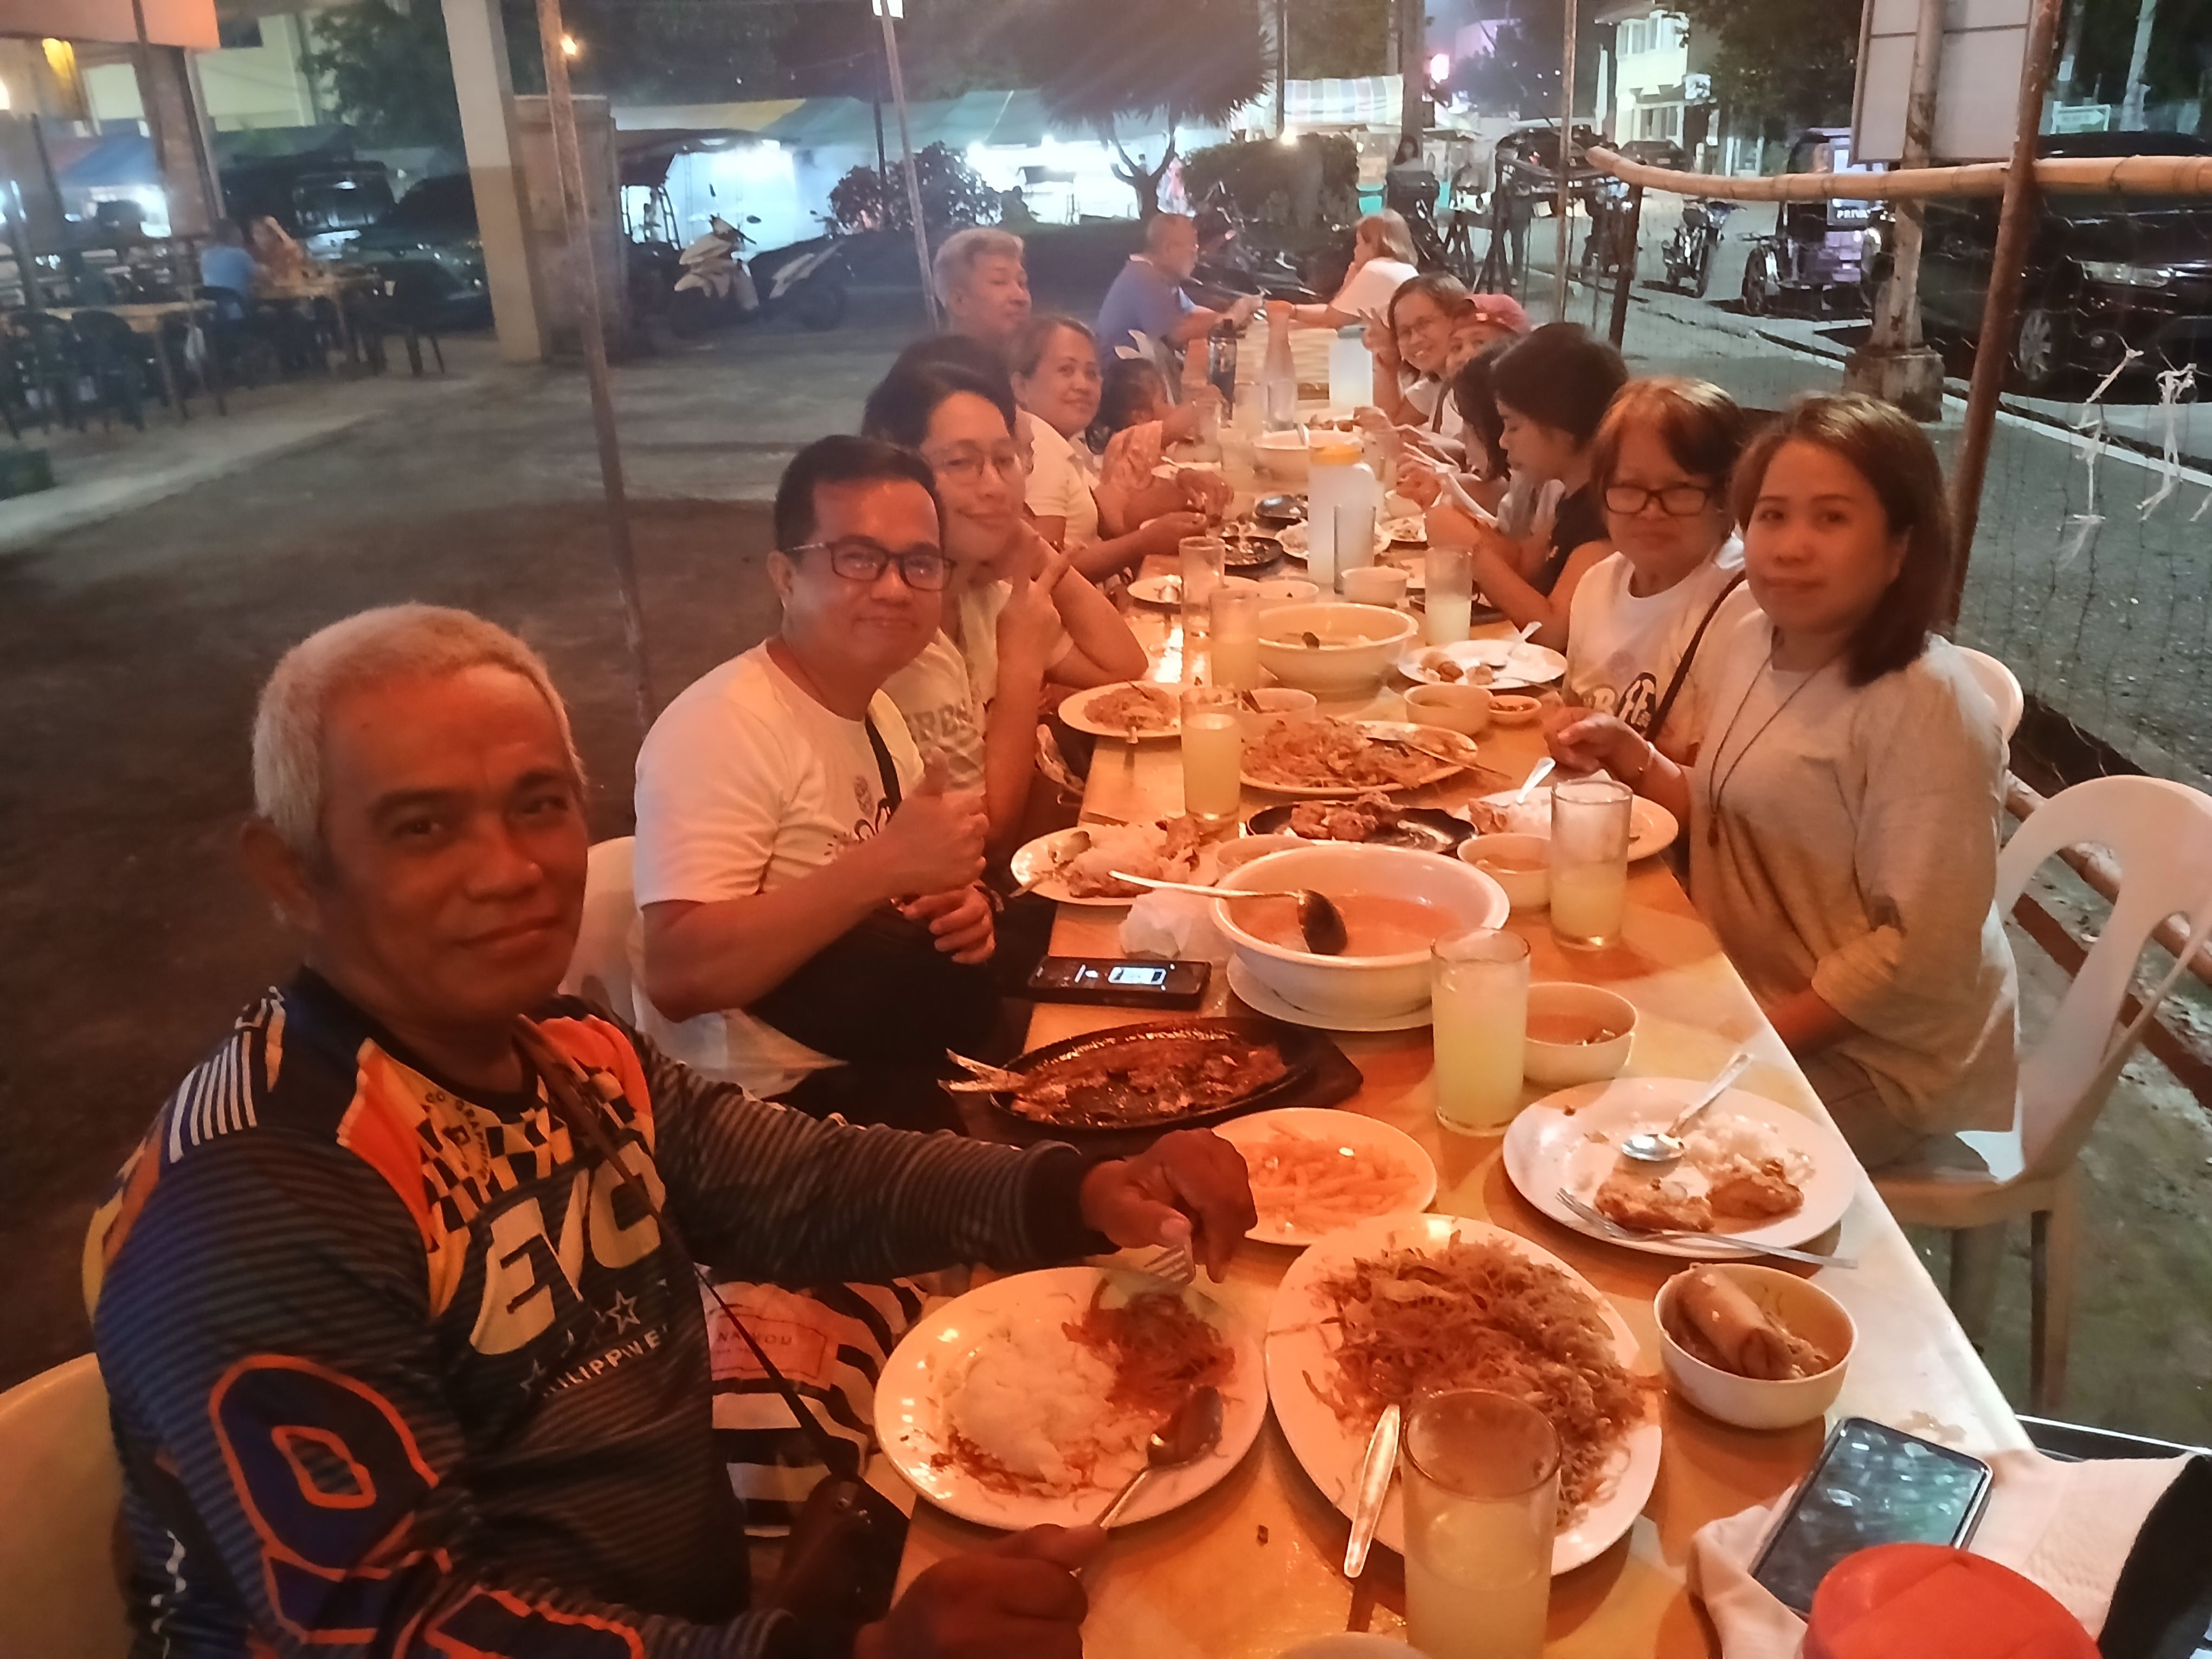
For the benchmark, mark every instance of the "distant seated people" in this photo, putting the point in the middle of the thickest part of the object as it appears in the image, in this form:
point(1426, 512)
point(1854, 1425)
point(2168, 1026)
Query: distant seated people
point(1148, 298)
point(1382, 263)
point(1057, 382)
point(984, 286)
point(226, 263)
point(1409, 187)
point(282, 259)
point(813, 928)
point(1646, 620)
point(401, 1349)
point(1552, 389)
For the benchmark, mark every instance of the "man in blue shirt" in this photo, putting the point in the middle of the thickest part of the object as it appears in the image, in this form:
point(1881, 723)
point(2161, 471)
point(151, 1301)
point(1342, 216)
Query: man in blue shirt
point(224, 263)
point(1148, 297)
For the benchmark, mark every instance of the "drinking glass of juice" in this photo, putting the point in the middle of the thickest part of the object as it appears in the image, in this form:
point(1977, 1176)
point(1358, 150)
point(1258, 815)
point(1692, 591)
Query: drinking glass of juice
point(1591, 827)
point(1212, 755)
point(1235, 640)
point(1482, 1474)
point(1479, 997)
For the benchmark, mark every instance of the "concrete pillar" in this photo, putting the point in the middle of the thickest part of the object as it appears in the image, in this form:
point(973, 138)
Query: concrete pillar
point(477, 42)
point(168, 95)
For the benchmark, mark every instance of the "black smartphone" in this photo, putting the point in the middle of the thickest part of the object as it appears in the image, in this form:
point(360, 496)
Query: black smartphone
point(1130, 983)
point(1873, 1484)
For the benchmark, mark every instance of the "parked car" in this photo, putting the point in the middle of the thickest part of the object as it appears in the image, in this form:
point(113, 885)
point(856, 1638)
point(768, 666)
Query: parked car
point(1828, 253)
point(431, 237)
point(323, 203)
point(2104, 272)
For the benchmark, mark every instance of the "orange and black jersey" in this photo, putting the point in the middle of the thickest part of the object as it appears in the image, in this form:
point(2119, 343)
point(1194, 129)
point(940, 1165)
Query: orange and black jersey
point(421, 1386)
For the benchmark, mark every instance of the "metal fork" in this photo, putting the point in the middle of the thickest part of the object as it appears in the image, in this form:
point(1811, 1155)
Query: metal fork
point(1173, 1265)
point(1611, 1228)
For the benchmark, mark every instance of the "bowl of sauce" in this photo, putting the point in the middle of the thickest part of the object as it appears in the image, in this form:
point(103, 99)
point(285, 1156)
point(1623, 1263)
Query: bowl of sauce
point(1576, 1034)
point(1522, 865)
point(1396, 903)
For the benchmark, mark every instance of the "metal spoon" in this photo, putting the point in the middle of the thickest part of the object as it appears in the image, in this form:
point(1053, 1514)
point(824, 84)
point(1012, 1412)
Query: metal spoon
point(1320, 922)
point(1193, 1432)
point(1665, 1145)
point(1537, 774)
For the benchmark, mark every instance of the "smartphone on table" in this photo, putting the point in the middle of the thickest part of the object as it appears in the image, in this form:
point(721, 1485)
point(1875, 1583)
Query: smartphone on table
point(1873, 1484)
point(1126, 982)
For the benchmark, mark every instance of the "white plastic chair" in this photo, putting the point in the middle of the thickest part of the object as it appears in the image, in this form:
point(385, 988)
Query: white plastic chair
point(2000, 685)
point(1972, 1183)
point(600, 968)
point(59, 1595)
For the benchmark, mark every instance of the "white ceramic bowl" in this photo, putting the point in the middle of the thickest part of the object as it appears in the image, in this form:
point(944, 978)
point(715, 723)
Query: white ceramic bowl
point(1514, 708)
point(1462, 708)
point(1563, 1065)
point(1288, 590)
point(1375, 584)
point(1281, 456)
point(1273, 701)
point(1235, 854)
point(1530, 890)
point(1358, 988)
point(1358, 643)
point(1746, 1402)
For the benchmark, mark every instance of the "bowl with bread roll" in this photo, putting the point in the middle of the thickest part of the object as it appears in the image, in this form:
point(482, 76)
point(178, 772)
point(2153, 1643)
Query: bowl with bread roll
point(1753, 1346)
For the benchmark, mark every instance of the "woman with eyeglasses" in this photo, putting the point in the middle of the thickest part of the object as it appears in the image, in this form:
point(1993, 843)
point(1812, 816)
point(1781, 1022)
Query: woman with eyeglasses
point(1642, 618)
point(1842, 812)
point(975, 693)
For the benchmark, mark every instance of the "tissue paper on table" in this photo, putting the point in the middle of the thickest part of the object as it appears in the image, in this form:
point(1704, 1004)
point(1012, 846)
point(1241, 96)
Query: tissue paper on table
point(1179, 925)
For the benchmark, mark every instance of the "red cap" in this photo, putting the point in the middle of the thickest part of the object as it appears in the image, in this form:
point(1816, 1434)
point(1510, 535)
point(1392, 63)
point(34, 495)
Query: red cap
point(1502, 309)
point(1927, 1601)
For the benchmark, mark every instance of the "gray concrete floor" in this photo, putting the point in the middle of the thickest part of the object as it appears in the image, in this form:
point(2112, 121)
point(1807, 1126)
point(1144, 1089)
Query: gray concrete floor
point(135, 645)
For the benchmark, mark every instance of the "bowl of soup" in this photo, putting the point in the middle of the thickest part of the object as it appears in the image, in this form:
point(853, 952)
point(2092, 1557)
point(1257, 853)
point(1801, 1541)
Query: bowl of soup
point(1351, 648)
point(1282, 456)
point(1522, 865)
point(1396, 903)
point(1576, 1034)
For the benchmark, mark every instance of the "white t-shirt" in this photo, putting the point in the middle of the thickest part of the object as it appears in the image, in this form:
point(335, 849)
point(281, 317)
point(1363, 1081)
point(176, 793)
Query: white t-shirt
point(945, 692)
point(1063, 483)
point(1369, 287)
point(1622, 651)
point(745, 784)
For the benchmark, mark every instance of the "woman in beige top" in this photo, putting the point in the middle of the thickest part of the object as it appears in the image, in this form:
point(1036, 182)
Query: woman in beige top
point(1843, 807)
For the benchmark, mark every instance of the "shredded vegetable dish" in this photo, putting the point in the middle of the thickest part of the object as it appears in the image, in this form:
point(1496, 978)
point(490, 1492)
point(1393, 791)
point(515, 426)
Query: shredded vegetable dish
point(1478, 1315)
point(1304, 1185)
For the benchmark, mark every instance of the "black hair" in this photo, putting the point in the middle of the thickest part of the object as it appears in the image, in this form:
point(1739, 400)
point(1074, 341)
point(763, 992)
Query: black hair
point(839, 458)
point(1128, 380)
point(961, 351)
point(1476, 400)
point(899, 409)
point(1561, 377)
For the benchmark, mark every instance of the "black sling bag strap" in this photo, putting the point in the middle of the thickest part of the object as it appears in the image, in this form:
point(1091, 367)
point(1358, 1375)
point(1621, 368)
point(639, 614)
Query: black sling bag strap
point(1690, 655)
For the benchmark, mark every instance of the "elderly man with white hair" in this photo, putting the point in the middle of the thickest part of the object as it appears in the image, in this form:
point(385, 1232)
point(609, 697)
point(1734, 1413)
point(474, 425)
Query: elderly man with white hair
point(1147, 296)
point(984, 286)
point(395, 1301)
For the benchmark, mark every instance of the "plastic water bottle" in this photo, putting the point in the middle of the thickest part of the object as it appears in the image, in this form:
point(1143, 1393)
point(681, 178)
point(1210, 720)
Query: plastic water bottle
point(1342, 499)
point(1279, 379)
point(1351, 371)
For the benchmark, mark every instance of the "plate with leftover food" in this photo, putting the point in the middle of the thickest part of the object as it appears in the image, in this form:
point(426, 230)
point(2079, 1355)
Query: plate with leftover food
point(1751, 1168)
point(1293, 539)
point(1077, 866)
point(1132, 709)
point(1168, 590)
point(1321, 757)
point(1651, 826)
point(1501, 665)
point(1376, 1312)
point(1160, 1075)
point(1370, 817)
point(1315, 1170)
point(1245, 548)
point(1028, 1402)
point(1406, 529)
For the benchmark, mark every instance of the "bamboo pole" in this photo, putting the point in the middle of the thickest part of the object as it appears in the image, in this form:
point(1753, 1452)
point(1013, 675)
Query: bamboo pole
point(906, 162)
point(1566, 158)
point(2124, 175)
point(2001, 306)
point(577, 215)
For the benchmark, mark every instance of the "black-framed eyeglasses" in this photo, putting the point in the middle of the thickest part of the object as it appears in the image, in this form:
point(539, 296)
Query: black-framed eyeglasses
point(1675, 501)
point(860, 560)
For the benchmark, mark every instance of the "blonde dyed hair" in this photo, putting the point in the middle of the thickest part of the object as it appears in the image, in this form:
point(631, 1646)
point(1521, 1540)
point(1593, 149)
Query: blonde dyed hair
point(394, 642)
point(1388, 230)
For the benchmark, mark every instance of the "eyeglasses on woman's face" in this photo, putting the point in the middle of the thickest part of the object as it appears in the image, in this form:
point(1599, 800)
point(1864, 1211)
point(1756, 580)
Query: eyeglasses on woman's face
point(966, 464)
point(858, 559)
point(1682, 500)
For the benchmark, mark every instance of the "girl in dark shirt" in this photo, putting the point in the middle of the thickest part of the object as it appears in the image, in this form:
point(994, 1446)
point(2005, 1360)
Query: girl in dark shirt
point(1551, 390)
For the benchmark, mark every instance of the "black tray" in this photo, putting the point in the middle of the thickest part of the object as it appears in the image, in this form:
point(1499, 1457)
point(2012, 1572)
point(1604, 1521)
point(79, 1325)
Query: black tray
point(1251, 552)
point(1304, 1052)
point(1424, 829)
point(1279, 510)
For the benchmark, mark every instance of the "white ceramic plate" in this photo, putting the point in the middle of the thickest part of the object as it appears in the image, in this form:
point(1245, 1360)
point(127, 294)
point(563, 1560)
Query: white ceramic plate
point(1350, 1133)
point(1168, 590)
point(1410, 528)
point(1651, 826)
point(1264, 998)
point(1075, 711)
point(1033, 859)
point(913, 1418)
point(1514, 665)
point(1293, 539)
point(1551, 1145)
point(1438, 738)
point(1331, 1449)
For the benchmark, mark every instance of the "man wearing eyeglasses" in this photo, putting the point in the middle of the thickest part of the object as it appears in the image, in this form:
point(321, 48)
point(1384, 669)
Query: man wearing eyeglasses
point(813, 927)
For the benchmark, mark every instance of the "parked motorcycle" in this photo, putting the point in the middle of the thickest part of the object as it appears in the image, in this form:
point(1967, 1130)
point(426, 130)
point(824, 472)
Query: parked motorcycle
point(1231, 265)
point(719, 285)
point(1689, 251)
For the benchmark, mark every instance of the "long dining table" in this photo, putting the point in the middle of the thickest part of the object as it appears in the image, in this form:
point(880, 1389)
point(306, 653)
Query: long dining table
point(1254, 1565)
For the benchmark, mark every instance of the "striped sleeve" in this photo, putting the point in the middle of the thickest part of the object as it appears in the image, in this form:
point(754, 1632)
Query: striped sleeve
point(763, 1192)
point(268, 1346)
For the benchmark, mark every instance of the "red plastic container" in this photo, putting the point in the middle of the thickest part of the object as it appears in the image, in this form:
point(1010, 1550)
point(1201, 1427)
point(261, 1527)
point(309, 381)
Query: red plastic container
point(1927, 1601)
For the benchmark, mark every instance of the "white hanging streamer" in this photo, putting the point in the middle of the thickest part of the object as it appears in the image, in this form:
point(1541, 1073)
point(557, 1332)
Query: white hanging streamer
point(2093, 451)
point(2173, 384)
point(2128, 355)
point(2203, 508)
point(2080, 535)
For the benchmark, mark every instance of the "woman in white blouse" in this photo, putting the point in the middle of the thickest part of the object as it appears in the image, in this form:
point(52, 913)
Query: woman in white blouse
point(1382, 263)
point(1056, 381)
point(1843, 808)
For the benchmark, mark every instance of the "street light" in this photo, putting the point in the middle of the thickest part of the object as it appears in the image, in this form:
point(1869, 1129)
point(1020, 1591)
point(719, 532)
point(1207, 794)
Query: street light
point(1439, 68)
point(571, 48)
